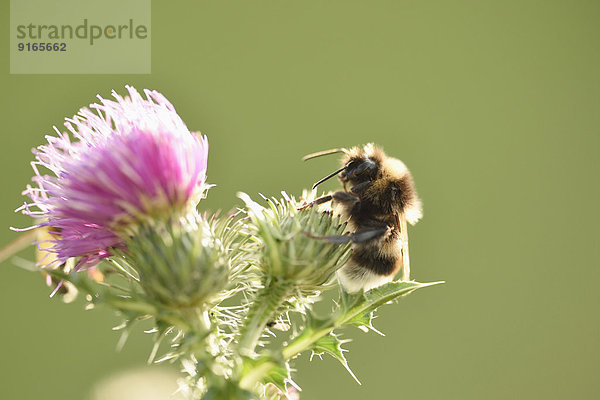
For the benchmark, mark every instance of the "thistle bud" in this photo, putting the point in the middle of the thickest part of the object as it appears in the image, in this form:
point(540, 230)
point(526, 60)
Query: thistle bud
point(294, 248)
point(180, 264)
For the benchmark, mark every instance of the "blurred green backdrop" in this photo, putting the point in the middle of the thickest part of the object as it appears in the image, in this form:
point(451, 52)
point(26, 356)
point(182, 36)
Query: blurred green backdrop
point(493, 105)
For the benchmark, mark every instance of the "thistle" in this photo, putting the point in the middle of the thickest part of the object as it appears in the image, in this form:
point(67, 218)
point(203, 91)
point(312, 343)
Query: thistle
point(132, 161)
point(119, 192)
point(294, 265)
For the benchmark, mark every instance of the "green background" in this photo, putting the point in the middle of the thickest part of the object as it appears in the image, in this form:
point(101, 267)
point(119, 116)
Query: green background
point(494, 106)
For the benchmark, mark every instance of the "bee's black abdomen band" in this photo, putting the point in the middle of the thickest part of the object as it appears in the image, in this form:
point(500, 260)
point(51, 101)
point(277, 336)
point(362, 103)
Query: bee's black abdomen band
point(374, 261)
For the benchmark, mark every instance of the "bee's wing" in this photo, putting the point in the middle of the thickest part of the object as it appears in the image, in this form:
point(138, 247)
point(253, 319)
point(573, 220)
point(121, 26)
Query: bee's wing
point(405, 276)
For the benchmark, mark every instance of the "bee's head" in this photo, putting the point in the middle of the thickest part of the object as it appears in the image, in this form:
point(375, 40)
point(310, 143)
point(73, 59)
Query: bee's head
point(359, 165)
point(391, 187)
point(359, 170)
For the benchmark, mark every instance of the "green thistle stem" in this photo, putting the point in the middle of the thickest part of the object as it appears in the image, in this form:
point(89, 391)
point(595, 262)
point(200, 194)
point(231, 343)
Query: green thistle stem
point(255, 375)
point(264, 308)
point(307, 339)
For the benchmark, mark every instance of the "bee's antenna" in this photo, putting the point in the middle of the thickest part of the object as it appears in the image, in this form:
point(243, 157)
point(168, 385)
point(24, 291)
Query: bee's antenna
point(323, 153)
point(329, 177)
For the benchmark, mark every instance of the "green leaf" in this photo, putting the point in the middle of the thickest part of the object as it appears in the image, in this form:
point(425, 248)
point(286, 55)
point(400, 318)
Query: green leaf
point(265, 369)
point(332, 345)
point(353, 309)
point(356, 309)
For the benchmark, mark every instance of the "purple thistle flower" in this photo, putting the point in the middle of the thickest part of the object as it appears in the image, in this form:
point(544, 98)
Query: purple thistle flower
point(133, 160)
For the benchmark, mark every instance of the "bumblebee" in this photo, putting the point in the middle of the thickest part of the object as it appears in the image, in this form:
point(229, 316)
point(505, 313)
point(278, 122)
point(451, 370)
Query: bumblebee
point(378, 200)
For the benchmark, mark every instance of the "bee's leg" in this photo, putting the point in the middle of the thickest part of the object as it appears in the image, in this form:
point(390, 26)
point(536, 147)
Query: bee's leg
point(347, 199)
point(358, 237)
point(348, 205)
point(336, 239)
point(361, 187)
point(318, 201)
point(365, 236)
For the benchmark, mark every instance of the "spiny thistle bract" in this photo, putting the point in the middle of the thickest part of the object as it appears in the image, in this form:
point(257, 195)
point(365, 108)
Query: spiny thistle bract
point(291, 250)
point(293, 262)
point(120, 196)
point(179, 263)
